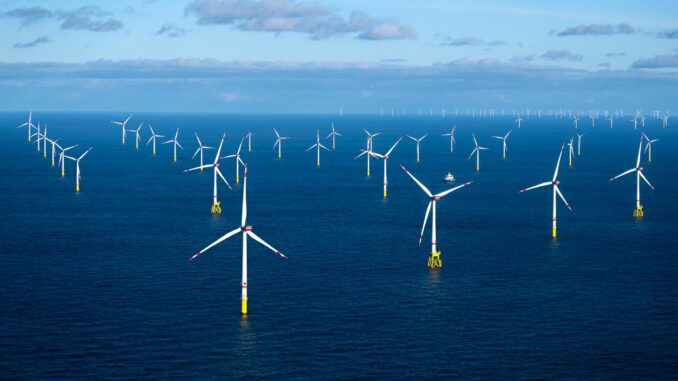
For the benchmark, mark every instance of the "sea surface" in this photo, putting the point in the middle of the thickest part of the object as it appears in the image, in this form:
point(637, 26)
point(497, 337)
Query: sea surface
point(97, 284)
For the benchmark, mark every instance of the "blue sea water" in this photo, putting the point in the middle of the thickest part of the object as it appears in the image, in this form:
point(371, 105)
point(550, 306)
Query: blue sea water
point(97, 284)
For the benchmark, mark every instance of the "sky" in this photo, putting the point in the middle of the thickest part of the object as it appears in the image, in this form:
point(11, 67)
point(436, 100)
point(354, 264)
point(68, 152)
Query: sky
point(320, 56)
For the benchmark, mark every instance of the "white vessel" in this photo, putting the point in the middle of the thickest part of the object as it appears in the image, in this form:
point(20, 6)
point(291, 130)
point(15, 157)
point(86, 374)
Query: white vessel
point(449, 178)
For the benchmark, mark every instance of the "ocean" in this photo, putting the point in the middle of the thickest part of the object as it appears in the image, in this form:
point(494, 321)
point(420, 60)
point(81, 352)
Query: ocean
point(97, 284)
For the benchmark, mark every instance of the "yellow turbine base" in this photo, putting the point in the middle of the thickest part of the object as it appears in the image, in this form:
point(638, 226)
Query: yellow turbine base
point(44, 154)
point(216, 208)
point(237, 179)
point(553, 232)
point(477, 168)
point(385, 192)
point(279, 156)
point(434, 261)
point(77, 187)
point(317, 163)
point(62, 173)
point(243, 307)
point(638, 212)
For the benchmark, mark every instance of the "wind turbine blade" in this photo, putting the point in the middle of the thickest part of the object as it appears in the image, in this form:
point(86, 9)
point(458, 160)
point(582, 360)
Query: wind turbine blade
point(536, 186)
point(311, 147)
point(196, 153)
point(555, 173)
point(322, 146)
point(361, 154)
point(200, 167)
point(412, 137)
point(423, 227)
point(388, 153)
point(261, 241)
point(441, 194)
point(198, 139)
point(472, 152)
point(277, 141)
point(562, 198)
point(428, 192)
point(220, 240)
point(223, 178)
point(646, 180)
point(180, 145)
point(221, 143)
point(639, 149)
point(623, 174)
point(276, 133)
point(84, 154)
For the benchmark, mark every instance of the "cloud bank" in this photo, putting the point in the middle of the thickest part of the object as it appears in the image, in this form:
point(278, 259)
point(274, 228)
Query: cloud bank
point(310, 18)
point(89, 17)
point(34, 43)
point(597, 30)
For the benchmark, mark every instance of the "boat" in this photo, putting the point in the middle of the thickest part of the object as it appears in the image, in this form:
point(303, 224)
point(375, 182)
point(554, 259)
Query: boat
point(449, 178)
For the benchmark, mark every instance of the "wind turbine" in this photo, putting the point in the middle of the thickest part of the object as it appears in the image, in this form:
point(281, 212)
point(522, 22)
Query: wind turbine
point(579, 136)
point(384, 157)
point(556, 190)
point(611, 120)
point(44, 142)
point(333, 134)
point(503, 142)
point(648, 147)
point(54, 144)
point(665, 120)
point(278, 142)
point(570, 149)
point(249, 141)
point(518, 120)
point(62, 158)
point(575, 121)
point(246, 231)
point(216, 205)
point(418, 141)
point(153, 138)
point(370, 136)
point(200, 149)
point(77, 168)
point(451, 135)
point(317, 146)
point(434, 260)
point(38, 136)
point(635, 122)
point(175, 143)
point(238, 161)
point(123, 125)
point(476, 151)
point(29, 124)
point(137, 136)
point(638, 211)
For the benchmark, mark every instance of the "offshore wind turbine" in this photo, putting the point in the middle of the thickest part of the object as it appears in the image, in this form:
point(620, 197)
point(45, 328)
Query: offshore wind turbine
point(175, 143)
point(44, 142)
point(575, 122)
point(451, 135)
point(249, 141)
point(38, 136)
point(317, 146)
point(417, 140)
point(77, 167)
point(648, 147)
point(665, 120)
point(556, 190)
point(238, 161)
point(333, 135)
point(153, 138)
point(476, 151)
point(579, 136)
point(638, 211)
point(384, 157)
point(62, 158)
point(29, 125)
point(200, 149)
point(518, 120)
point(570, 150)
point(137, 135)
point(611, 120)
point(53, 142)
point(246, 231)
point(278, 142)
point(434, 260)
point(503, 142)
point(370, 137)
point(123, 125)
point(216, 205)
